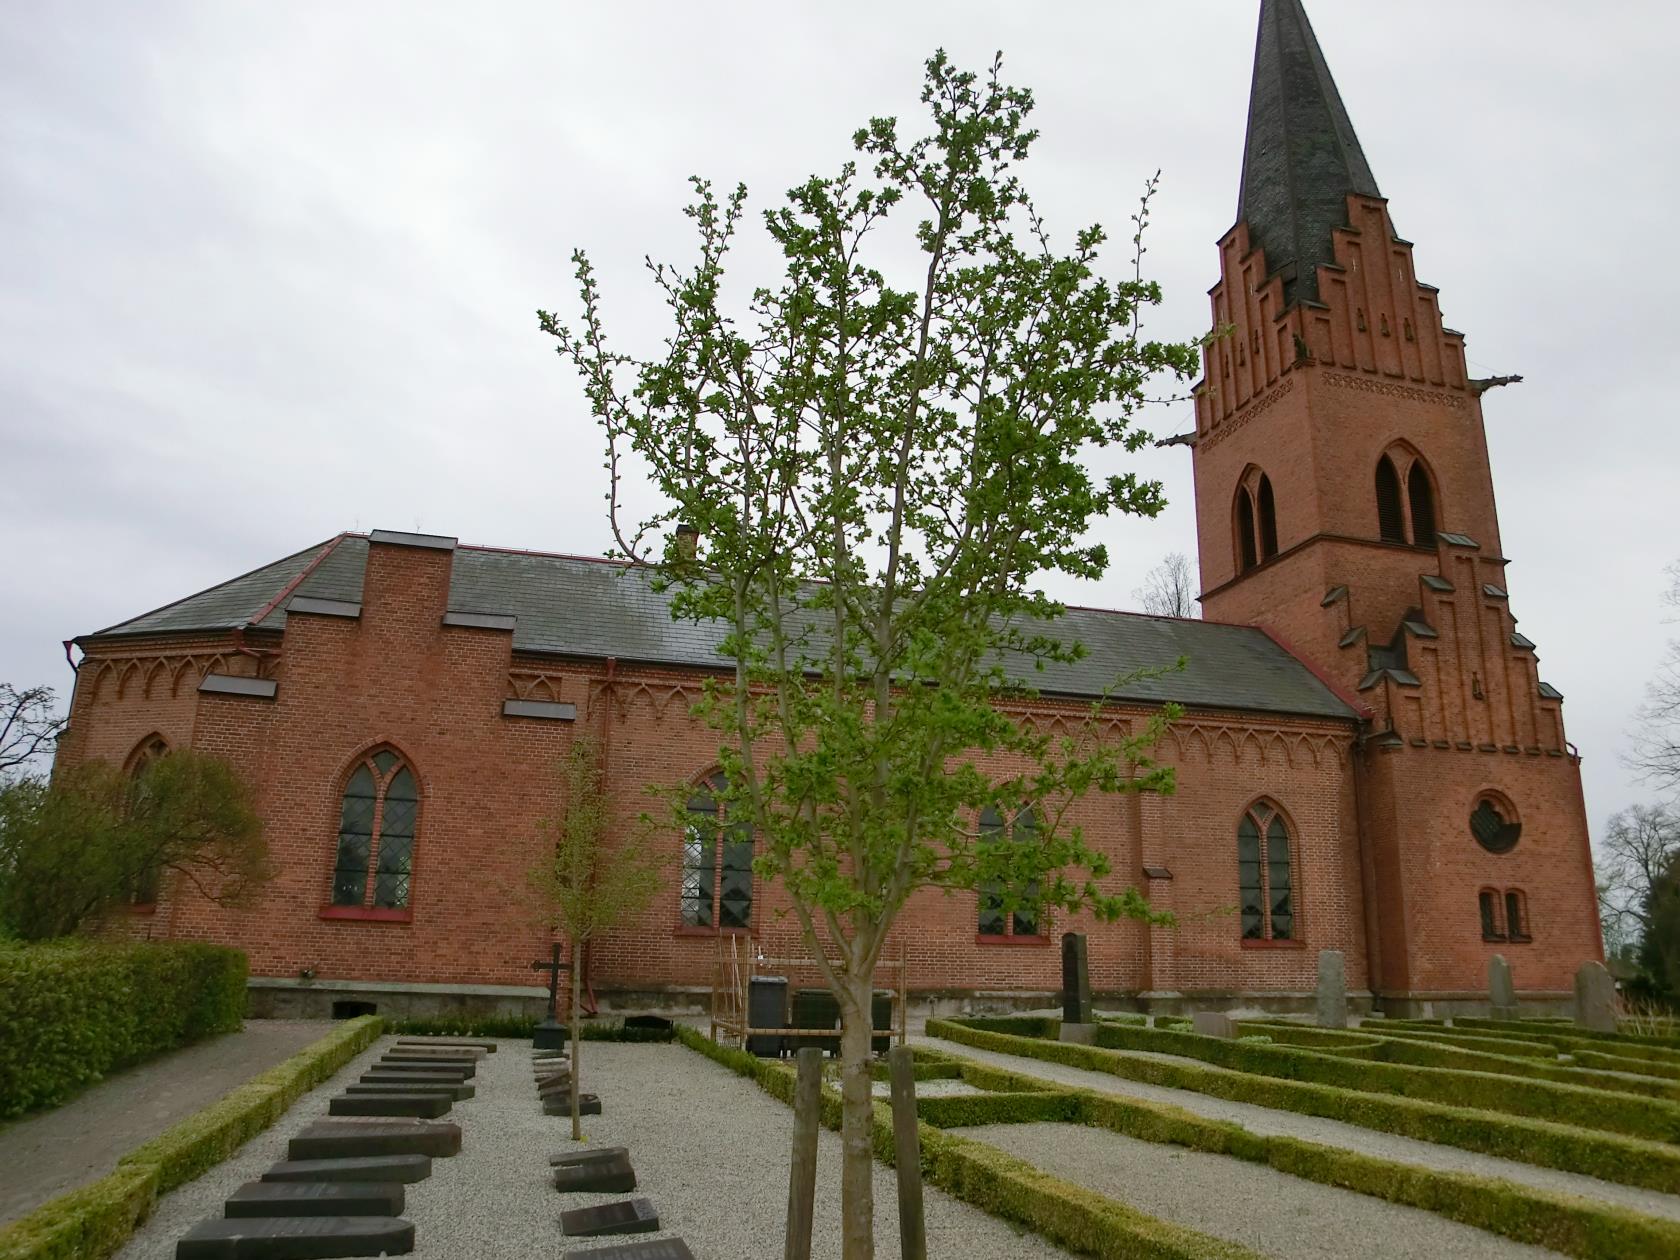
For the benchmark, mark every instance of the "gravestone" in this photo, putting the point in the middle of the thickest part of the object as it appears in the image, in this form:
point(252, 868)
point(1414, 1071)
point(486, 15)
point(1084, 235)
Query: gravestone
point(426, 1106)
point(339, 1139)
point(419, 1080)
point(548, 1089)
point(648, 1249)
point(561, 1105)
point(296, 1238)
point(1502, 994)
point(489, 1047)
point(1332, 989)
point(565, 1159)
point(627, 1216)
point(1078, 1024)
point(599, 1176)
point(377, 1168)
point(1595, 998)
point(1213, 1024)
point(316, 1198)
point(551, 1033)
point(459, 1093)
point(474, 1053)
point(464, 1068)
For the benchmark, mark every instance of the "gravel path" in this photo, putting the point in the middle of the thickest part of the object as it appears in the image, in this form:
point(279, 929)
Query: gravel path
point(1330, 1132)
point(48, 1154)
point(1271, 1212)
point(710, 1149)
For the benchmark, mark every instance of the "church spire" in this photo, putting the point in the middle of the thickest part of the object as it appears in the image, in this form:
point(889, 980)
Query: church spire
point(1302, 158)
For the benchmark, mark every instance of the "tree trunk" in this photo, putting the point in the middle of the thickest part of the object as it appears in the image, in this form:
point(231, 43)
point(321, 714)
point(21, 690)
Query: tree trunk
point(857, 1170)
point(577, 1039)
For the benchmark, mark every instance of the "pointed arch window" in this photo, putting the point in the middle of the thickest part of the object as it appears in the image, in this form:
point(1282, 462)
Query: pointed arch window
point(378, 815)
point(1247, 558)
point(1422, 499)
point(1265, 875)
point(1391, 516)
point(717, 875)
point(1268, 520)
point(1026, 919)
point(143, 892)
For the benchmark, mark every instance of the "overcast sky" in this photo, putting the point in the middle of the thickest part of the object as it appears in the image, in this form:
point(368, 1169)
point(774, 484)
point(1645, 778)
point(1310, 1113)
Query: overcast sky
point(268, 272)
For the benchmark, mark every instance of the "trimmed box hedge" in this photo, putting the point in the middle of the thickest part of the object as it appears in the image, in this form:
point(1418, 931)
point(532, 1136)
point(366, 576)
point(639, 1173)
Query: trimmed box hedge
point(1575, 1105)
point(1074, 1218)
point(1607, 1156)
point(1566, 1223)
point(94, 1221)
point(74, 1011)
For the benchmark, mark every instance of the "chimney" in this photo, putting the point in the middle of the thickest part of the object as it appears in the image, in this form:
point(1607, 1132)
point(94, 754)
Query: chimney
point(688, 542)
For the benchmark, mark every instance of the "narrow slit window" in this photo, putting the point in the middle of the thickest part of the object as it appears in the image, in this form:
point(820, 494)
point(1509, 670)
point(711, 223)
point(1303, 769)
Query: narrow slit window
point(1516, 916)
point(1268, 520)
point(1423, 506)
point(1391, 519)
point(1245, 531)
point(1491, 928)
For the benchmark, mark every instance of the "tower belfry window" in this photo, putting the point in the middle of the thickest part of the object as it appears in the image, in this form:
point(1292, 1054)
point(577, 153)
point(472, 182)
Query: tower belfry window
point(1245, 530)
point(1268, 520)
point(1391, 517)
point(1423, 506)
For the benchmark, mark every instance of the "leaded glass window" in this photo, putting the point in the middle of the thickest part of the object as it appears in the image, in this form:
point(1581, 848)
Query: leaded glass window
point(994, 919)
point(1265, 876)
point(1488, 900)
point(1492, 829)
point(1516, 915)
point(378, 816)
point(717, 875)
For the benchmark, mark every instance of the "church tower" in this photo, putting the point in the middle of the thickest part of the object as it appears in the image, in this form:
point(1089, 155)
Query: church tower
point(1345, 503)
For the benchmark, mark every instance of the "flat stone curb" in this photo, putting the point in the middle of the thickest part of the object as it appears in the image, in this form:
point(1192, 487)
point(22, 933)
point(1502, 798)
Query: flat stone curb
point(296, 1238)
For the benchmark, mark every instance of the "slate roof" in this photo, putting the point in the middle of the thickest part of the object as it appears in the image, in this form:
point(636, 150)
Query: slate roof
point(1302, 158)
point(592, 608)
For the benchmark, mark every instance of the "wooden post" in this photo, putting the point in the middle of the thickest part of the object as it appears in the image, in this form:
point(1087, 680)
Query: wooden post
point(802, 1175)
point(907, 1155)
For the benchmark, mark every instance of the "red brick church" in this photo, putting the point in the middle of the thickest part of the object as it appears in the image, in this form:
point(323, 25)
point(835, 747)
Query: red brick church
point(1368, 759)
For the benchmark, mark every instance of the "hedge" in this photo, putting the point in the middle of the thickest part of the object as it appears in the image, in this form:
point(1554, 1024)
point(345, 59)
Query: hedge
point(1666, 1047)
point(93, 1222)
point(967, 1111)
point(1566, 1223)
point(1074, 1218)
point(73, 1011)
point(1609, 1157)
point(522, 1027)
point(1483, 1090)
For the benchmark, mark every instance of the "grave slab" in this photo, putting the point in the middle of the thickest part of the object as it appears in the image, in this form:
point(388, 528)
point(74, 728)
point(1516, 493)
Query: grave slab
point(475, 1053)
point(296, 1238)
point(646, 1249)
point(547, 1089)
point(424, 1063)
point(459, 1093)
point(627, 1216)
point(426, 1106)
point(601, 1176)
point(338, 1139)
point(420, 1080)
point(316, 1198)
point(561, 1105)
point(1213, 1024)
point(489, 1047)
point(379, 1168)
point(565, 1159)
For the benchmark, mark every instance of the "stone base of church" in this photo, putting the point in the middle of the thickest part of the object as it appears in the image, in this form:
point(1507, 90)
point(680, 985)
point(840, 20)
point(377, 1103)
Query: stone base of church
point(1531, 1005)
point(286, 998)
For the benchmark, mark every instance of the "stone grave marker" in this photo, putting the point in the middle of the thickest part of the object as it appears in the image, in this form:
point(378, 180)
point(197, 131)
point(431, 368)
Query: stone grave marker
point(599, 1176)
point(1078, 1024)
point(316, 1198)
point(1213, 1024)
point(296, 1238)
point(1502, 994)
point(551, 1033)
point(419, 1080)
point(489, 1047)
point(338, 1139)
point(426, 1106)
point(474, 1053)
point(377, 1168)
point(566, 1159)
point(561, 1104)
point(428, 1063)
point(646, 1249)
point(1595, 998)
point(460, 1093)
point(627, 1216)
point(1332, 989)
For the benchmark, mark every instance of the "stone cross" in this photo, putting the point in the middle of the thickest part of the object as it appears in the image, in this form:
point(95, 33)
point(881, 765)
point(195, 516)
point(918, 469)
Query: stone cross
point(1595, 998)
point(1332, 989)
point(554, 967)
point(1076, 980)
point(1502, 995)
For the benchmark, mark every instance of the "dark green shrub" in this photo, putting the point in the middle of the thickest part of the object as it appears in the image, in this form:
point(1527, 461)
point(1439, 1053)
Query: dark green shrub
point(962, 1111)
point(1019, 1025)
point(73, 1011)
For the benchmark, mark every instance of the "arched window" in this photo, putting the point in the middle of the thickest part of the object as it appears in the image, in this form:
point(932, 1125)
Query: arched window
point(1516, 915)
point(1265, 875)
point(144, 890)
point(717, 876)
point(1025, 919)
point(1245, 531)
point(1493, 925)
point(1423, 505)
point(377, 821)
point(1268, 520)
point(1391, 518)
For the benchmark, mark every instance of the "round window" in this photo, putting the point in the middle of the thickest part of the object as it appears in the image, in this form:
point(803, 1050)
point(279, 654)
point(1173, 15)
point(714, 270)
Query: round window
point(1493, 825)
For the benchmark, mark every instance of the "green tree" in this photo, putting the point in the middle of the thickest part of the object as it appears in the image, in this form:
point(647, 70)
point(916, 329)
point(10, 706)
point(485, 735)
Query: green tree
point(72, 847)
point(880, 475)
point(1659, 947)
point(586, 887)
